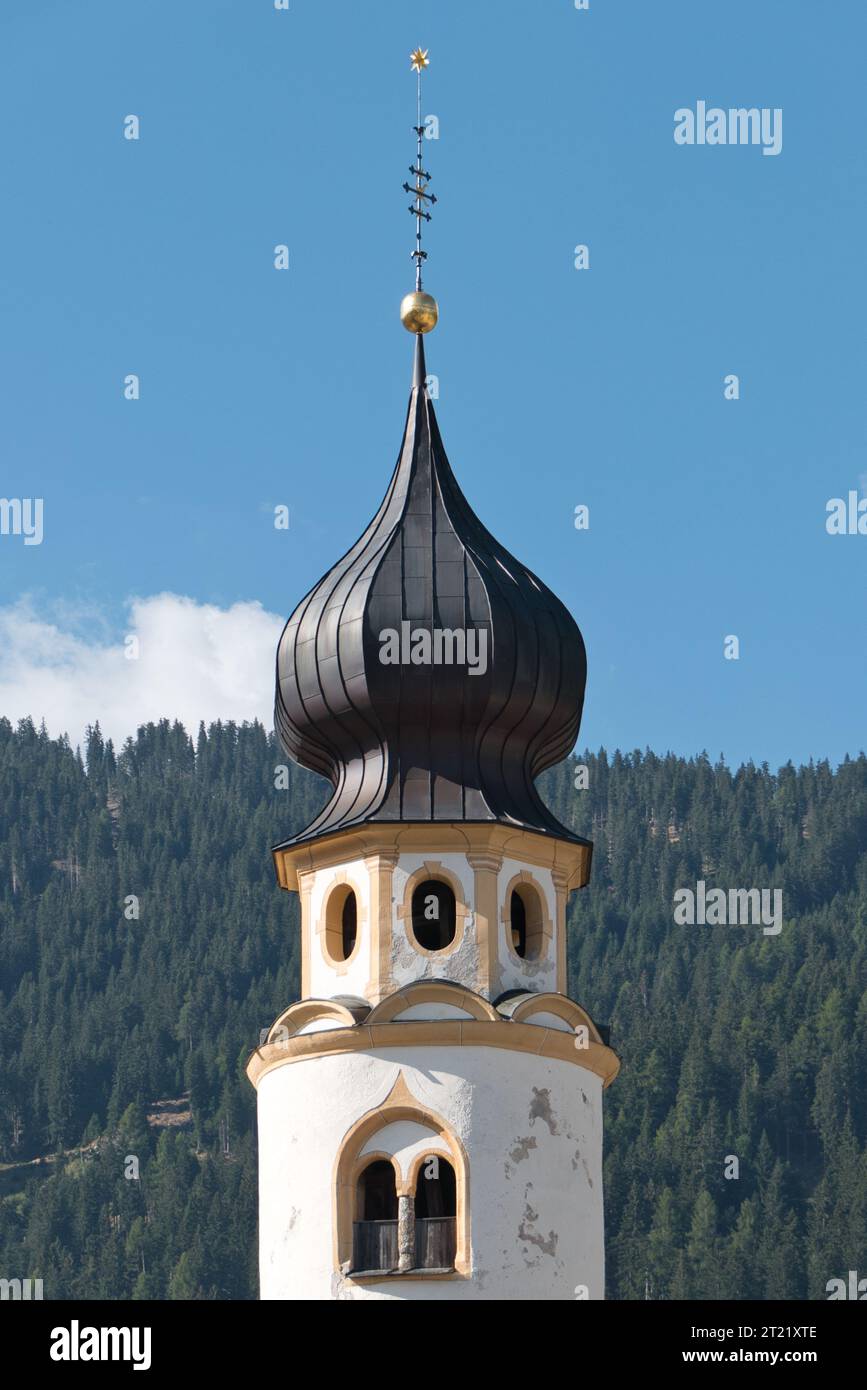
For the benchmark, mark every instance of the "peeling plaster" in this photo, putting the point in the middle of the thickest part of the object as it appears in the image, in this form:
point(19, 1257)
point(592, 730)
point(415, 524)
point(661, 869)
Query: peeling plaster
point(521, 1149)
point(539, 1226)
point(579, 1158)
point(463, 963)
point(547, 1245)
point(540, 1108)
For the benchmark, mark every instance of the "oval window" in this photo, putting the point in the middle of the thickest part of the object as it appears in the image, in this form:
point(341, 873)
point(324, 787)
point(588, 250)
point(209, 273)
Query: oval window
point(349, 925)
point(341, 923)
point(433, 915)
point(518, 915)
point(526, 923)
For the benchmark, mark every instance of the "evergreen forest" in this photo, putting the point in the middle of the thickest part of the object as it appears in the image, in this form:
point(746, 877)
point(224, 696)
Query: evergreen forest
point(144, 945)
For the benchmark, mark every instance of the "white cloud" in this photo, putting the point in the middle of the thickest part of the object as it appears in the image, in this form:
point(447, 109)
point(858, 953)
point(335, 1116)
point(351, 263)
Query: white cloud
point(196, 662)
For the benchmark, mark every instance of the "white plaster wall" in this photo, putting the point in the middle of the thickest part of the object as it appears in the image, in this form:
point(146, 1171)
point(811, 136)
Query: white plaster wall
point(532, 1129)
point(325, 981)
point(431, 1009)
point(463, 965)
point(321, 1025)
point(544, 1020)
point(460, 965)
point(538, 976)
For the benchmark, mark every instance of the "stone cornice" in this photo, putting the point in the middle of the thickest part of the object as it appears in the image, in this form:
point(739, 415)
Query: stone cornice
point(568, 859)
point(451, 1032)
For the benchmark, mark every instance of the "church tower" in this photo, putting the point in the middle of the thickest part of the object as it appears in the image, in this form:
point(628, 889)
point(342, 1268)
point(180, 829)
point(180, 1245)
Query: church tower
point(430, 1110)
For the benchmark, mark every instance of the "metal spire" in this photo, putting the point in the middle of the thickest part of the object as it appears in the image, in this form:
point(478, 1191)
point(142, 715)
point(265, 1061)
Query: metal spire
point(419, 310)
point(421, 198)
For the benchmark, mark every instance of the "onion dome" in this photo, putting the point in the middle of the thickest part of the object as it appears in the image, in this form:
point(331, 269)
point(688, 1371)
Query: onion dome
point(429, 675)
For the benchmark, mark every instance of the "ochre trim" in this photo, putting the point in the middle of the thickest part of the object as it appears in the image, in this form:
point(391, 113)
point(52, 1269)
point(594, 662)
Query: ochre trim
point(411, 1179)
point(376, 1156)
point(324, 928)
point(380, 868)
point(486, 867)
point(433, 869)
point(484, 844)
point(561, 1007)
point(524, 879)
point(399, 1104)
point(304, 1011)
point(561, 896)
point(305, 891)
point(446, 1032)
point(435, 837)
point(436, 992)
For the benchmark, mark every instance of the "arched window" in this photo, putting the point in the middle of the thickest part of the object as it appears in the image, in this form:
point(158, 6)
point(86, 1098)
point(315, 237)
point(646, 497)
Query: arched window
point(377, 1192)
point(433, 915)
point(374, 1233)
point(435, 1213)
point(393, 1156)
point(527, 922)
point(341, 923)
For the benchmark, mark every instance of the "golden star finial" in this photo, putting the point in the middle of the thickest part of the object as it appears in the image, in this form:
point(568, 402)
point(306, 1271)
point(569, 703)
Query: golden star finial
point(419, 60)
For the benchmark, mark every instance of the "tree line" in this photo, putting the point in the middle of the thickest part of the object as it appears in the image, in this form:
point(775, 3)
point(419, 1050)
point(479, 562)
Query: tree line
point(144, 945)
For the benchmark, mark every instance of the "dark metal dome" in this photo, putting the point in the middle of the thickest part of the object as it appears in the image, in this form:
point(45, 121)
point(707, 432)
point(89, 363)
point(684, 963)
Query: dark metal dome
point(429, 742)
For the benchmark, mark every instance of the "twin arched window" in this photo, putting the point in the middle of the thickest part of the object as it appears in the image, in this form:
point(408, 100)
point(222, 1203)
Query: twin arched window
point(422, 1235)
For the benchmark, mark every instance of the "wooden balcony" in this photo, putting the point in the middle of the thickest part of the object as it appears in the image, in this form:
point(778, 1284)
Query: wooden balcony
point(375, 1246)
point(435, 1238)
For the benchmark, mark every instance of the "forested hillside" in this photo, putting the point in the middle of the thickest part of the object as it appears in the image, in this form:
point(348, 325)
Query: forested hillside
point(144, 944)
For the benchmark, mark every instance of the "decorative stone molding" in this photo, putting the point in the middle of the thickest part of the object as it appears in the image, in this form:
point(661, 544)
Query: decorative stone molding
point(543, 926)
point(305, 1011)
point(560, 880)
point(433, 869)
point(514, 1037)
point(399, 1104)
point(522, 1008)
point(380, 866)
point(326, 927)
point(486, 865)
point(432, 991)
point(435, 837)
point(305, 892)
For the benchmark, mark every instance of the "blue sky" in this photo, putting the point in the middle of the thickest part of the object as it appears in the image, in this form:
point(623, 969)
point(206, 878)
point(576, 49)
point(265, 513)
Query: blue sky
point(557, 387)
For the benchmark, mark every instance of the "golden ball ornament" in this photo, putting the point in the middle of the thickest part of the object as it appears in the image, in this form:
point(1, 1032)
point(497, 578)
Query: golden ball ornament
point(418, 312)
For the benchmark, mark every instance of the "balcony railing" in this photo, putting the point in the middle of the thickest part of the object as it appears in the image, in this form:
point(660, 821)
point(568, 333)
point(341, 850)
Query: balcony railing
point(375, 1245)
point(435, 1242)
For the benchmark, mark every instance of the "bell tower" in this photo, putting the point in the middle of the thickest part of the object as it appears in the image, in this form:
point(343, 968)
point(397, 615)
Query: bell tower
point(430, 1110)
